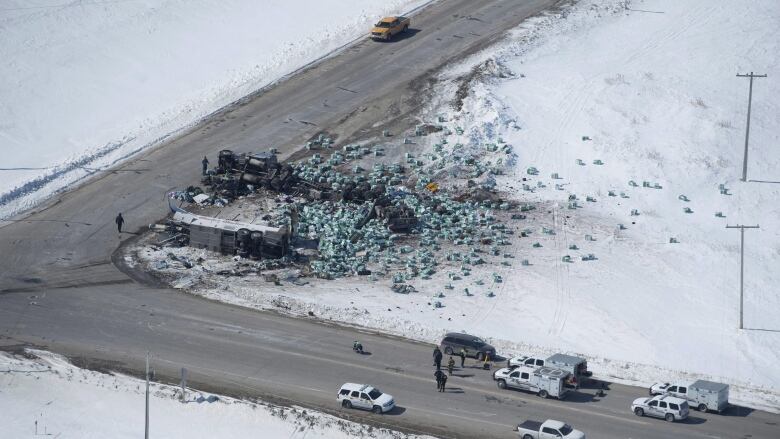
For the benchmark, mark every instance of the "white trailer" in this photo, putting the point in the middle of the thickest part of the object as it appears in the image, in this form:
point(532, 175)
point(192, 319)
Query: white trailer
point(701, 394)
point(543, 381)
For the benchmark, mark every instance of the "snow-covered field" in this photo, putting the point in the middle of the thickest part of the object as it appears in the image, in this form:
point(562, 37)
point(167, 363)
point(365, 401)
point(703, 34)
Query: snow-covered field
point(48, 396)
point(647, 90)
point(86, 84)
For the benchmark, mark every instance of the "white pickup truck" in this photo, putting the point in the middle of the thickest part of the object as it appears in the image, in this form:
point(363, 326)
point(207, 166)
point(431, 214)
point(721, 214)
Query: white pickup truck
point(544, 381)
point(548, 429)
point(525, 360)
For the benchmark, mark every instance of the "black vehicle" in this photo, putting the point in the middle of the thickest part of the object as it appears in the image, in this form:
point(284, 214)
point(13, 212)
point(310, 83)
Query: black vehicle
point(474, 346)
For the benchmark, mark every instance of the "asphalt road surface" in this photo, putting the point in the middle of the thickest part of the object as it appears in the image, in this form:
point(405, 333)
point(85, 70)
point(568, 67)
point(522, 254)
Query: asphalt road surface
point(59, 289)
point(243, 352)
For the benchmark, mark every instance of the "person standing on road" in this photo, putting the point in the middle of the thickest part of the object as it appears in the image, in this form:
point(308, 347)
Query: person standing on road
point(450, 365)
point(443, 382)
point(438, 374)
point(205, 163)
point(437, 356)
point(462, 357)
point(119, 221)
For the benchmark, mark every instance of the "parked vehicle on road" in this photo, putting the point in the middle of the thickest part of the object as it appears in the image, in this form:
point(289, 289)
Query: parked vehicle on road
point(661, 406)
point(525, 360)
point(548, 429)
point(363, 396)
point(543, 381)
point(701, 394)
point(475, 347)
point(576, 366)
point(388, 27)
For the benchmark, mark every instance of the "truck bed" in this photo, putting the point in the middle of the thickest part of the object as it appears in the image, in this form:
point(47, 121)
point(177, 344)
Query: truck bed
point(530, 425)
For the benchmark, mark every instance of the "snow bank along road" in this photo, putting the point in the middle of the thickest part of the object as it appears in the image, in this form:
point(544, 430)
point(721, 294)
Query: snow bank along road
point(60, 290)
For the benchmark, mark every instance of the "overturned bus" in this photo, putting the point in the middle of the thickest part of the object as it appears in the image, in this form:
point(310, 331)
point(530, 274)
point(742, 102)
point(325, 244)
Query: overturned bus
point(234, 237)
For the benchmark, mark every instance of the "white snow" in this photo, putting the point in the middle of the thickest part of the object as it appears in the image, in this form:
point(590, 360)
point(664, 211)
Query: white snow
point(657, 94)
point(86, 84)
point(61, 400)
point(652, 84)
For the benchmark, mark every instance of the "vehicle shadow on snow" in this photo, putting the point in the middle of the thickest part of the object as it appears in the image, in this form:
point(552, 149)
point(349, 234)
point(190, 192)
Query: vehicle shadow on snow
point(400, 37)
point(692, 420)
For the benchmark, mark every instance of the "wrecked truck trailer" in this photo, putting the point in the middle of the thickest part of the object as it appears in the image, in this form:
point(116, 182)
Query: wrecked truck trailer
point(261, 169)
point(234, 237)
point(253, 163)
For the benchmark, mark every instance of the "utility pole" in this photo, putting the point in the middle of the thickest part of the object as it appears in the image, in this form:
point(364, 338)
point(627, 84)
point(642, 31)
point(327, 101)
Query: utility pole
point(741, 266)
point(146, 434)
point(747, 128)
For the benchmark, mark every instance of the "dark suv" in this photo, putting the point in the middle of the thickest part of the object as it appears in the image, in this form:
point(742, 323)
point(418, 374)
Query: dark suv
point(475, 347)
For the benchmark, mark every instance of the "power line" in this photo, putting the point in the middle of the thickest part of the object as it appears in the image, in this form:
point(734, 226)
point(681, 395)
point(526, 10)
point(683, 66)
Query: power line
point(747, 128)
point(741, 266)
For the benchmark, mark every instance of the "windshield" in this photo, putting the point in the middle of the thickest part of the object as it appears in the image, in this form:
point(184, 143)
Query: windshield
point(566, 429)
point(374, 394)
point(384, 24)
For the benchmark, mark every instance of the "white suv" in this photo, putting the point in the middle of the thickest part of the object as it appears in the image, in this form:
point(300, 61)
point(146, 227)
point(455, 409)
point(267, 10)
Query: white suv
point(363, 396)
point(662, 406)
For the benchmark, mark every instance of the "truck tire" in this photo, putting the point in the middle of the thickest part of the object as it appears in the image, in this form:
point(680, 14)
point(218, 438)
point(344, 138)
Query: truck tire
point(406, 28)
point(377, 410)
point(543, 394)
point(501, 384)
point(448, 350)
point(639, 412)
point(527, 436)
point(346, 404)
point(702, 407)
point(669, 417)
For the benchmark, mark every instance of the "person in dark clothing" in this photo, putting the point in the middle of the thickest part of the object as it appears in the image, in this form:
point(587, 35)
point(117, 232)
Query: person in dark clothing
point(462, 357)
point(205, 163)
point(119, 221)
point(437, 356)
point(443, 382)
point(438, 374)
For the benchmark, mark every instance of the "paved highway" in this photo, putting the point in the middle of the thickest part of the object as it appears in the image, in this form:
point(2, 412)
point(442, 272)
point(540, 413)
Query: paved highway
point(60, 290)
point(244, 352)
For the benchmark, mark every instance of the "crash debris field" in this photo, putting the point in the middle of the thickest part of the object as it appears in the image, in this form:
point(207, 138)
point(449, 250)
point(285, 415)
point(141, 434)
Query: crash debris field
point(482, 214)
